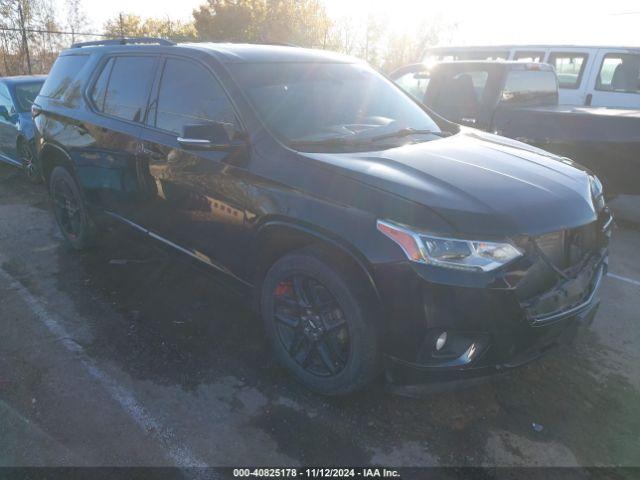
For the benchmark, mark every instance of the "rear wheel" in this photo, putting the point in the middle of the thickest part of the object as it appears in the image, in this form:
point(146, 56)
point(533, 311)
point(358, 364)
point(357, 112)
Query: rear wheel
point(28, 161)
point(70, 210)
point(319, 324)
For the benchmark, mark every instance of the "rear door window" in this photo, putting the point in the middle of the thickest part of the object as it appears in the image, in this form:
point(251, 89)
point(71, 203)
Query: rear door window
point(191, 95)
point(569, 68)
point(63, 73)
point(128, 87)
point(99, 90)
point(620, 72)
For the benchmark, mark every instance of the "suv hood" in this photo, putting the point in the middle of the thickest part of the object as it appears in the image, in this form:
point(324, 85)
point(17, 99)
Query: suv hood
point(480, 183)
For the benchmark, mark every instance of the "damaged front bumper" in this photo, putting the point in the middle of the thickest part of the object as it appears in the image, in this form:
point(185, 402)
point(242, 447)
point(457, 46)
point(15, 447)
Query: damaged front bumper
point(495, 328)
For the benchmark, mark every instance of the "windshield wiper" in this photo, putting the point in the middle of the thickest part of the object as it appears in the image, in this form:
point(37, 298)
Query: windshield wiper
point(364, 140)
point(326, 142)
point(405, 132)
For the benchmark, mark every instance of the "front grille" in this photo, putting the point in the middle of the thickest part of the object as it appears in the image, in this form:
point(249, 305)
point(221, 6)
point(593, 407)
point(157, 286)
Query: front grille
point(553, 245)
point(558, 255)
point(567, 248)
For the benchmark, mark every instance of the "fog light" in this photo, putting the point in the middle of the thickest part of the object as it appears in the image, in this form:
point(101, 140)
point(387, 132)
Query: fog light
point(442, 339)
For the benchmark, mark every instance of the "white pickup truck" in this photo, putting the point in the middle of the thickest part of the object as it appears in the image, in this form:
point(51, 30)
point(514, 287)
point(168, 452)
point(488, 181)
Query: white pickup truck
point(593, 76)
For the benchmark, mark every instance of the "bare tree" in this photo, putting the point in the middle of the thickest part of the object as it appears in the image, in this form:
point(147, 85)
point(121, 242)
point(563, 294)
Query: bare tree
point(76, 18)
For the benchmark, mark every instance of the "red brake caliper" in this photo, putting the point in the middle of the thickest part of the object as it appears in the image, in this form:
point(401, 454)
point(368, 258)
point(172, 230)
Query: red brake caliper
point(284, 288)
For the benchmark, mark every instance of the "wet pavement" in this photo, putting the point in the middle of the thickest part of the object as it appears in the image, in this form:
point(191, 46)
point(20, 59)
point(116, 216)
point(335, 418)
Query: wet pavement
point(129, 355)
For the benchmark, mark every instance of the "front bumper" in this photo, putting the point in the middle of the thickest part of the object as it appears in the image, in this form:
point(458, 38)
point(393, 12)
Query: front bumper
point(402, 372)
point(491, 327)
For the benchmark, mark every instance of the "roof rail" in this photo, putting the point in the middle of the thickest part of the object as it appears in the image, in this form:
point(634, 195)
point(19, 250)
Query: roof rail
point(125, 41)
point(281, 44)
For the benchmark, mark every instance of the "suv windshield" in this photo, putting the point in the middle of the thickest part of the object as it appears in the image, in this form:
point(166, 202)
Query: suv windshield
point(331, 103)
point(26, 93)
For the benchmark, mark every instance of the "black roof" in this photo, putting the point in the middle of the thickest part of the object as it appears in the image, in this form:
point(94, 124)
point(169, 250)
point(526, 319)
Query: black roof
point(225, 52)
point(252, 53)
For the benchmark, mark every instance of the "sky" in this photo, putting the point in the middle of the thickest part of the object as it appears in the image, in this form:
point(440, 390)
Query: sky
point(487, 22)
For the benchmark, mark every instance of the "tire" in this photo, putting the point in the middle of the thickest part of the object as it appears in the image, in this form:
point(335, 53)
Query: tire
point(336, 349)
point(72, 215)
point(28, 160)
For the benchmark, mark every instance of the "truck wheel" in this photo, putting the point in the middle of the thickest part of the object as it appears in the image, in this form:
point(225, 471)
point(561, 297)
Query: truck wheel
point(70, 210)
point(319, 325)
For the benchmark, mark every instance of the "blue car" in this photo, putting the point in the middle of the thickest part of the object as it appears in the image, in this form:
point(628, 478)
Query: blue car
point(16, 125)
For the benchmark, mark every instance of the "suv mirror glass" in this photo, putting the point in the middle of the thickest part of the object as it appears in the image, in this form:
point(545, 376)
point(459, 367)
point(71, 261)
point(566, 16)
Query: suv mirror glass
point(4, 113)
point(211, 136)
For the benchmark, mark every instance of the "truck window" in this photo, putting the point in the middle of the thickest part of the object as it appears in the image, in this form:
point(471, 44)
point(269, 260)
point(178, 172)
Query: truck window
point(530, 87)
point(414, 83)
point(620, 72)
point(528, 57)
point(62, 74)
point(482, 55)
point(569, 68)
point(460, 94)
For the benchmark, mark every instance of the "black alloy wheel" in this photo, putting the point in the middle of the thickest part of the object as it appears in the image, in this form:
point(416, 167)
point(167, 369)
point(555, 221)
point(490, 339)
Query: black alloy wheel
point(66, 208)
point(311, 325)
point(320, 319)
point(70, 210)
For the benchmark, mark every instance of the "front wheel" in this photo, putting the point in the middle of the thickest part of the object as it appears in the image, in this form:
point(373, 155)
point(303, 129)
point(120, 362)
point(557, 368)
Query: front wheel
point(319, 324)
point(70, 210)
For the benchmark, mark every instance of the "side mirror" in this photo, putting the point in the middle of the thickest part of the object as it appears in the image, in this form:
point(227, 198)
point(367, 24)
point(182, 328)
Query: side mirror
point(4, 113)
point(209, 136)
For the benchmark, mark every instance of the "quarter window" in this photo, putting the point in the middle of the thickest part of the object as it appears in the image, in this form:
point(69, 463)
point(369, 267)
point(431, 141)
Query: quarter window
point(64, 71)
point(190, 95)
point(127, 87)
point(620, 73)
point(569, 68)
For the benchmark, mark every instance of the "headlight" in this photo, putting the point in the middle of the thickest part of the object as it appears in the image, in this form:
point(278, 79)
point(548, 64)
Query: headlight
point(597, 192)
point(449, 252)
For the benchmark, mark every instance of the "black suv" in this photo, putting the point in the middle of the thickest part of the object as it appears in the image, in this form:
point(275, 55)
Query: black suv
point(370, 231)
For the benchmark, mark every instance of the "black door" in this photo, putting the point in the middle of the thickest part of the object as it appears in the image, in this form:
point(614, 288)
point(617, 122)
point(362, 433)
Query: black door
point(199, 195)
point(110, 169)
